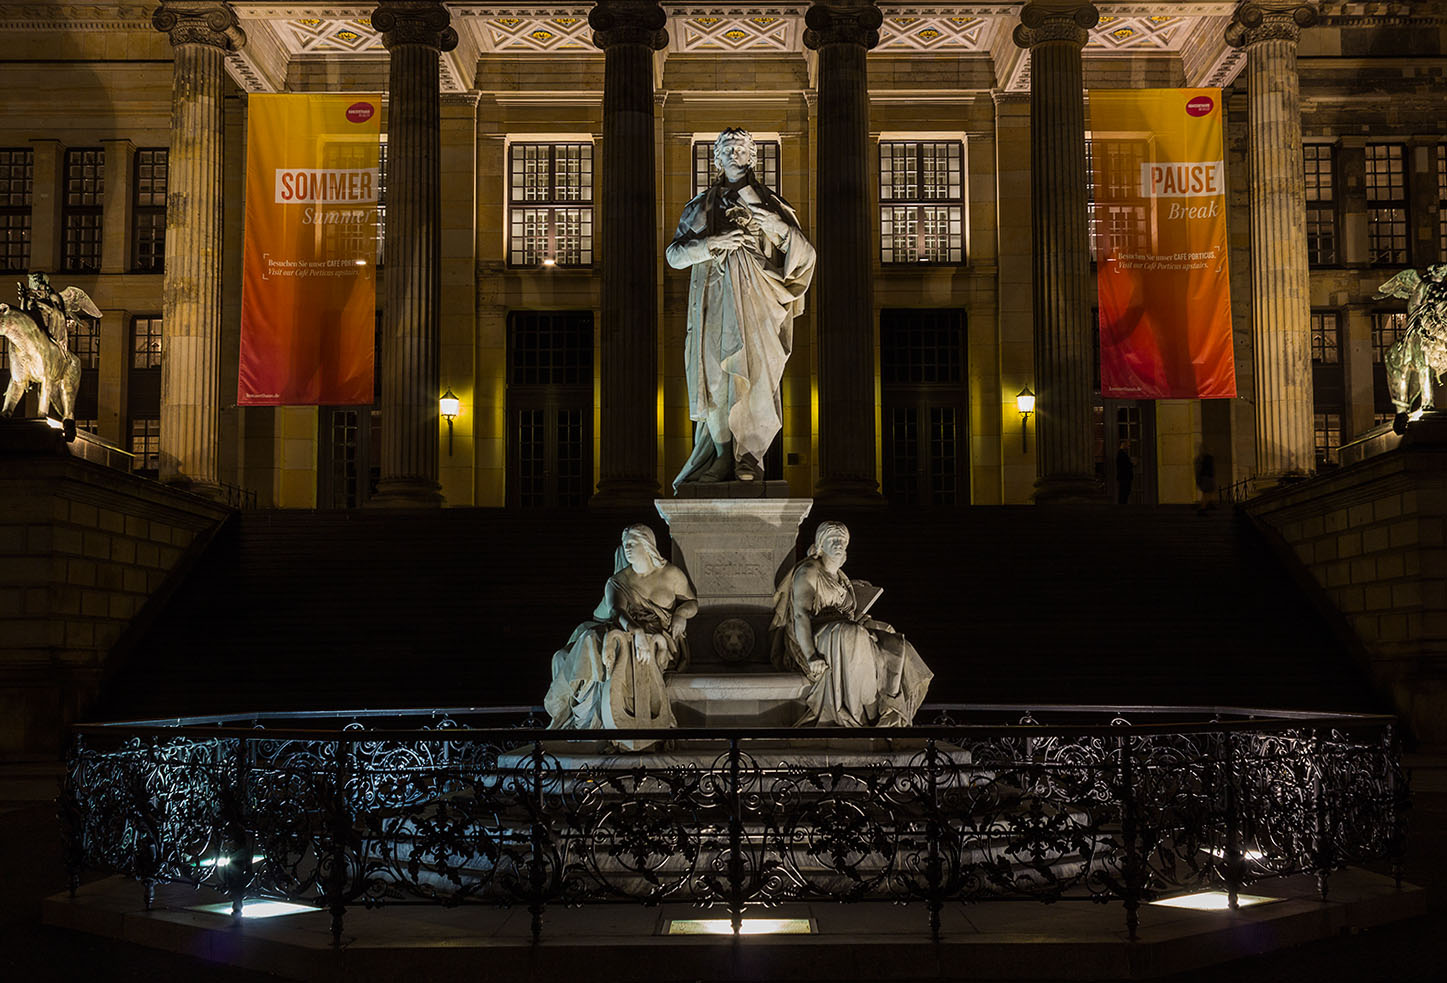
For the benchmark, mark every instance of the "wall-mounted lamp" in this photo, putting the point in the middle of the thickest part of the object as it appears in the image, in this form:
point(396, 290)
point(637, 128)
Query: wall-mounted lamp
point(1025, 403)
point(449, 405)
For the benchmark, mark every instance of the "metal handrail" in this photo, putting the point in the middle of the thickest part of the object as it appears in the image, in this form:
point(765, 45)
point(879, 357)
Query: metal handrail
point(1094, 807)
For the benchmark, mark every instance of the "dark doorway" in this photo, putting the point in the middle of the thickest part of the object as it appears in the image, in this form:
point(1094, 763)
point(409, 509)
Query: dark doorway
point(550, 408)
point(925, 406)
point(1134, 422)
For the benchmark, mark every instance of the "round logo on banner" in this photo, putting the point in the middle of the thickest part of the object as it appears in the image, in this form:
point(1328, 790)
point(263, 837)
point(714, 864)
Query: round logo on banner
point(1200, 106)
point(360, 112)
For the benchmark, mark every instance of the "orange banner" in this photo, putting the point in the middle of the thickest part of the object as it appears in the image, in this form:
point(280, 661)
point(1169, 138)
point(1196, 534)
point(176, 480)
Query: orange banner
point(309, 284)
point(1160, 242)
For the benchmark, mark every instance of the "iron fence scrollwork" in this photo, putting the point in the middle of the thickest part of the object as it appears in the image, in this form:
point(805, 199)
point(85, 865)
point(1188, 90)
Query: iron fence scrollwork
point(987, 803)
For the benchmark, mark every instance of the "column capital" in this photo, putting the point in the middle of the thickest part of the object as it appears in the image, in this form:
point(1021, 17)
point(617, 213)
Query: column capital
point(1269, 20)
point(842, 22)
point(199, 22)
point(1055, 20)
point(423, 22)
point(628, 22)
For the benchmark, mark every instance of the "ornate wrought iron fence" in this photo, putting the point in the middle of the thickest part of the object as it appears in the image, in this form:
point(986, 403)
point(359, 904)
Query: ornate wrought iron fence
point(988, 803)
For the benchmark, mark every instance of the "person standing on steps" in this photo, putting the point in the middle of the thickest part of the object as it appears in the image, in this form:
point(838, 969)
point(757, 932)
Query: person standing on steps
point(1124, 473)
point(1205, 479)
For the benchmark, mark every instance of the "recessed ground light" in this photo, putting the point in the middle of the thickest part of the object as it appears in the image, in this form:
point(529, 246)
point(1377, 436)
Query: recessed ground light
point(750, 926)
point(226, 861)
point(257, 909)
point(1245, 854)
point(1211, 901)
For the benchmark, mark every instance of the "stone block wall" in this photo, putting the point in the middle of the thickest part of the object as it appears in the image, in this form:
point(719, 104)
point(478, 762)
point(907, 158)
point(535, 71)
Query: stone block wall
point(1373, 535)
point(82, 549)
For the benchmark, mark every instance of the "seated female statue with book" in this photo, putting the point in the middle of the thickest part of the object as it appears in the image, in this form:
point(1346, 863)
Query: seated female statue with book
point(863, 673)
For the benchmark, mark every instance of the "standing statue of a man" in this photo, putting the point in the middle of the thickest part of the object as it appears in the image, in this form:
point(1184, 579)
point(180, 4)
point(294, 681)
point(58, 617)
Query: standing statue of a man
point(751, 267)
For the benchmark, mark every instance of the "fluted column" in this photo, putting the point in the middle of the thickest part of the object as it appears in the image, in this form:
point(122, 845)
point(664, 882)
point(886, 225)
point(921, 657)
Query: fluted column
point(1280, 297)
point(415, 32)
point(201, 33)
point(842, 32)
point(628, 32)
point(1062, 290)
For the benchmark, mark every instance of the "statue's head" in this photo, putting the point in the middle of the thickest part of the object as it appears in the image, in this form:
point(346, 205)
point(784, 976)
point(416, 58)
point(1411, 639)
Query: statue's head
point(831, 539)
point(38, 279)
point(736, 146)
point(640, 546)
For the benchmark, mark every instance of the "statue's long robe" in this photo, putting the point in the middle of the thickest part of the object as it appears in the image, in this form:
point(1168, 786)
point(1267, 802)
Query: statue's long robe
point(875, 677)
point(741, 310)
point(598, 681)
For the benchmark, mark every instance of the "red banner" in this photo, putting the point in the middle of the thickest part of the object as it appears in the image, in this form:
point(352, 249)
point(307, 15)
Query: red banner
point(1160, 240)
point(309, 286)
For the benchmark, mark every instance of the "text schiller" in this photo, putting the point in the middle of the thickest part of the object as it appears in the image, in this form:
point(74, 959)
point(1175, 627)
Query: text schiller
point(1190, 179)
point(322, 186)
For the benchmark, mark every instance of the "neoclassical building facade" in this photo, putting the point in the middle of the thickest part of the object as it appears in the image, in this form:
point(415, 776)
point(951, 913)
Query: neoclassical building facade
point(537, 156)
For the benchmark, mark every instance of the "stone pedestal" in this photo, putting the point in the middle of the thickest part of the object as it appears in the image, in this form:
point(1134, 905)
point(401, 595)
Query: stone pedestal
point(734, 551)
point(737, 699)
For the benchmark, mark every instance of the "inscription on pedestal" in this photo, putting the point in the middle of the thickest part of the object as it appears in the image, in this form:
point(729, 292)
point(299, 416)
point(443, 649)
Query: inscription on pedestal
point(730, 573)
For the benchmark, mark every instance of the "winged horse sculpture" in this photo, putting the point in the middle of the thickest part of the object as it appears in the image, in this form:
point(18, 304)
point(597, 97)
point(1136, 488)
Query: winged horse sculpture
point(37, 359)
point(1416, 361)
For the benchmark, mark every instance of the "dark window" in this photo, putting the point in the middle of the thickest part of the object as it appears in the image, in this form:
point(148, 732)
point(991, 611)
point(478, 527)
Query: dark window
point(146, 444)
point(921, 201)
point(922, 375)
point(146, 343)
point(766, 167)
point(1328, 438)
point(550, 408)
point(1328, 382)
point(1117, 224)
point(551, 348)
point(350, 226)
point(143, 394)
point(922, 346)
point(148, 242)
point(1387, 328)
point(84, 337)
point(1320, 171)
point(1325, 338)
point(81, 215)
point(550, 204)
point(1387, 204)
point(17, 172)
point(381, 201)
point(1442, 202)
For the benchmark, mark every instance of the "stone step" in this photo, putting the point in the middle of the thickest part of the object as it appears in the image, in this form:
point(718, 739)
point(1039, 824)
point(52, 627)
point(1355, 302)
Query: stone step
point(760, 699)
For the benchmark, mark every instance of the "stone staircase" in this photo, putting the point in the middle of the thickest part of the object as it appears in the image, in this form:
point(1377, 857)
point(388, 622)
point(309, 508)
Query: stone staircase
point(297, 610)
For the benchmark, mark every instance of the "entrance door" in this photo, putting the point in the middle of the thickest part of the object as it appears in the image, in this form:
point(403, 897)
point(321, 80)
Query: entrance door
point(349, 444)
point(550, 409)
point(350, 453)
point(926, 434)
point(1134, 422)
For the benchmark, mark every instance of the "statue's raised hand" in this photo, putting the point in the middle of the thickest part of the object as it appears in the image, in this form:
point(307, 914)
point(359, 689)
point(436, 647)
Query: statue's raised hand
point(727, 242)
point(774, 227)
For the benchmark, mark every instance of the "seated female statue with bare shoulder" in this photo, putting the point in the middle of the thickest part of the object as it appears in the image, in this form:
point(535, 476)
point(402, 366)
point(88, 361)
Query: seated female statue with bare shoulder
point(610, 674)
